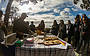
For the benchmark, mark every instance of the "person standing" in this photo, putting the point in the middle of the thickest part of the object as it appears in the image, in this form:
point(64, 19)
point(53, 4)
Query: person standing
point(69, 31)
point(84, 35)
point(32, 27)
point(1, 31)
point(76, 32)
point(20, 26)
point(62, 30)
point(42, 26)
point(55, 27)
point(2, 46)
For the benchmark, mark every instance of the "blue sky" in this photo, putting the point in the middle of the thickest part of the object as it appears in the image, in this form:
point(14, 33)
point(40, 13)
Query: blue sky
point(3, 5)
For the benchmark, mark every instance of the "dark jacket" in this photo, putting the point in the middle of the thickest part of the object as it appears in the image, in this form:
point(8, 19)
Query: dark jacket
point(70, 29)
point(32, 27)
point(54, 30)
point(1, 36)
point(41, 27)
point(84, 30)
point(3, 28)
point(76, 27)
point(88, 29)
point(77, 30)
point(20, 26)
point(62, 31)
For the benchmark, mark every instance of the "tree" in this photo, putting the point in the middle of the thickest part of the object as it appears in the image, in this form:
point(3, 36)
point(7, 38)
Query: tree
point(6, 18)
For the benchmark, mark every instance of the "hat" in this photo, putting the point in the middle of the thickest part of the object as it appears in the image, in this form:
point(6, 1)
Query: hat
point(24, 14)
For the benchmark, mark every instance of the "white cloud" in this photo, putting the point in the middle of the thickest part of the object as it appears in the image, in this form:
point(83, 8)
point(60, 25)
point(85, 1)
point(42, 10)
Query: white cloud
point(62, 13)
point(0, 1)
point(79, 3)
point(56, 10)
point(48, 19)
point(67, 9)
point(3, 9)
point(15, 3)
point(32, 8)
point(74, 9)
point(80, 13)
point(89, 16)
point(45, 5)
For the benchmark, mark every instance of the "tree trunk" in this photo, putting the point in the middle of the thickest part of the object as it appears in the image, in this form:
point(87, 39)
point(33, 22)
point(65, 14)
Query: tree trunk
point(7, 12)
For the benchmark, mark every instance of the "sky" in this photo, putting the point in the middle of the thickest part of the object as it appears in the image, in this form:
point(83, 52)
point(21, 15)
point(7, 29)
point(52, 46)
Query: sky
point(48, 10)
point(50, 7)
point(3, 5)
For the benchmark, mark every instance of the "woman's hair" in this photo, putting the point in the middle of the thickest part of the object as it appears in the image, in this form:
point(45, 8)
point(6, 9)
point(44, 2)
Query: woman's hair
point(84, 16)
point(55, 22)
point(69, 21)
point(42, 22)
point(61, 21)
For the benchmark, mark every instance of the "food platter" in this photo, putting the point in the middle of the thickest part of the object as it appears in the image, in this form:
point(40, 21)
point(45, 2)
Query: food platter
point(51, 40)
point(48, 40)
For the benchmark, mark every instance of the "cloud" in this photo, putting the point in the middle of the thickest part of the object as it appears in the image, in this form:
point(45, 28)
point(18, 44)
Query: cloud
point(64, 13)
point(56, 10)
point(89, 16)
point(3, 9)
point(15, 4)
point(74, 9)
point(67, 9)
point(47, 10)
point(0, 1)
point(45, 5)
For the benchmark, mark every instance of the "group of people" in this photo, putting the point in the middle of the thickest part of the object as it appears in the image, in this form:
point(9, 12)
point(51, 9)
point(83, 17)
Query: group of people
point(79, 31)
point(20, 27)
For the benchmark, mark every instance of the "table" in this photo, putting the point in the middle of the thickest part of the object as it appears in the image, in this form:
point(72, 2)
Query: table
point(42, 50)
